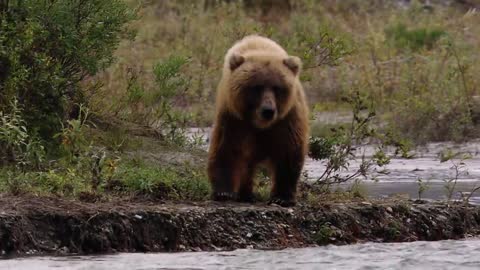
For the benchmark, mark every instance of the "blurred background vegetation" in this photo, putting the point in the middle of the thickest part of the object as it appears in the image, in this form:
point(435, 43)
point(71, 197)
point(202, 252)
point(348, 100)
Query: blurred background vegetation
point(417, 61)
point(92, 91)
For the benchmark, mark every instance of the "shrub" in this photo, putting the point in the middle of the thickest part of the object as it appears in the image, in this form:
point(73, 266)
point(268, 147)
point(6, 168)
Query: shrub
point(17, 146)
point(154, 105)
point(345, 144)
point(402, 37)
point(48, 47)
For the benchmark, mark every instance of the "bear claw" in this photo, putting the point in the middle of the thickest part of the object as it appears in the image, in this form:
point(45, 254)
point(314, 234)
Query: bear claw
point(282, 202)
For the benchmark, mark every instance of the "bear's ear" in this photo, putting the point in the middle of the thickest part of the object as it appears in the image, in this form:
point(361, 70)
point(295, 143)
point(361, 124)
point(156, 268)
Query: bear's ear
point(235, 61)
point(293, 63)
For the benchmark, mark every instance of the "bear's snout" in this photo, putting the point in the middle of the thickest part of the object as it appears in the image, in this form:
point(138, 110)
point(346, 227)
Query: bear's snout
point(267, 110)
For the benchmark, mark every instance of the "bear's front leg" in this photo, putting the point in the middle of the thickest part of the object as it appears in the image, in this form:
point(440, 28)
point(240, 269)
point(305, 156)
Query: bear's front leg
point(244, 176)
point(230, 175)
point(220, 173)
point(287, 172)
point(223, 160)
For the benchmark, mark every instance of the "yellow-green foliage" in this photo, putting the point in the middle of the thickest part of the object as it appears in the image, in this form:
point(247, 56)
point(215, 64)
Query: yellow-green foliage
point(186, 29)
point(420, 65)
point(418, 62)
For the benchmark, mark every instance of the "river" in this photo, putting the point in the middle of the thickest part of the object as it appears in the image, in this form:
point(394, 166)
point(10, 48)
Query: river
point(455, 255)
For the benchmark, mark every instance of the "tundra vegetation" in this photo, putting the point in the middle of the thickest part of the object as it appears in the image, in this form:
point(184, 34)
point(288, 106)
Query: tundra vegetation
point(96, 97)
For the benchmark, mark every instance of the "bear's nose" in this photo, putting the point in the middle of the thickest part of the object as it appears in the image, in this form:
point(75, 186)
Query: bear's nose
point(268, 113)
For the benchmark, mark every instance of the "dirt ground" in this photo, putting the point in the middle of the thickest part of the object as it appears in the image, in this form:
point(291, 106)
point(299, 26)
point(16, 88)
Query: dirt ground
point(42, 225)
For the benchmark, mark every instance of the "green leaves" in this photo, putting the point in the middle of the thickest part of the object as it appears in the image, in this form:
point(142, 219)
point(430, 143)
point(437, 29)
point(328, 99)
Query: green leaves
point(16, 144)
point(321, 148)
point(155, 104)
point(49, 47)
point(344, 144)
point(168, 77)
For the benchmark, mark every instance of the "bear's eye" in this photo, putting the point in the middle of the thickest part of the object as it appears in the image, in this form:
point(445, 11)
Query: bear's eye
point(280, 91)
point(257, 88)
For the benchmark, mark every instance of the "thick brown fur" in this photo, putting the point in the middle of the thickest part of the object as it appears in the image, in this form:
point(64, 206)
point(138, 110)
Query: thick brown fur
point(258, 74)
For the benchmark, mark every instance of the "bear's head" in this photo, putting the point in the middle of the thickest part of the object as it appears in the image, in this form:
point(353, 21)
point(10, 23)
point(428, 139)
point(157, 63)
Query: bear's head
point(263, 88)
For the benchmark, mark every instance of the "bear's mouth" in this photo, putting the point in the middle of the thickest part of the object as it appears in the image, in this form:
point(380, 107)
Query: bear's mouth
point(265, 117)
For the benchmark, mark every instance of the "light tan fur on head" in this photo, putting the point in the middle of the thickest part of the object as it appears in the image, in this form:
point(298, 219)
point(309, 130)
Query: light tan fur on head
point(258, 57)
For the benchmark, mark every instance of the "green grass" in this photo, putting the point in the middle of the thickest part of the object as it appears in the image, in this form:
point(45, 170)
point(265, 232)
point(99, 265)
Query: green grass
point(185, 183)
point(129, 179)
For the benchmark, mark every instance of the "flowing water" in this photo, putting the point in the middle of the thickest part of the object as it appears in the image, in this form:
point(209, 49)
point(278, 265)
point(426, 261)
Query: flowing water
point(455, 255)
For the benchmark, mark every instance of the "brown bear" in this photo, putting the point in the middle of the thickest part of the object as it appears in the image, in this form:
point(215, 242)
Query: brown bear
point(261, 119)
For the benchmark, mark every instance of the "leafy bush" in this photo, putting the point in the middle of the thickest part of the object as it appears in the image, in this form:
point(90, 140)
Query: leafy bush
point(345, 144)
point(48, 47)
point(155, 105)
point(17, 146)
point(321, 147)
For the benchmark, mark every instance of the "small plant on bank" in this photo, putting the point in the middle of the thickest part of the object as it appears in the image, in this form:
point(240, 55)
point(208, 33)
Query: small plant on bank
point(14, 182)
point(466, 196)
point(345, 144)
point(422, 187)
point(459, 168)
point(82, 168)
point(324, 234)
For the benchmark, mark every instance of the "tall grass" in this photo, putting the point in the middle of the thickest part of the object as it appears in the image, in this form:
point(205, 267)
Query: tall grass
point(419, 63)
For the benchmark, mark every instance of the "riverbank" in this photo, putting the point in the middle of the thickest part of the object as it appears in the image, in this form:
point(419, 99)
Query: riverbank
point(39, 225)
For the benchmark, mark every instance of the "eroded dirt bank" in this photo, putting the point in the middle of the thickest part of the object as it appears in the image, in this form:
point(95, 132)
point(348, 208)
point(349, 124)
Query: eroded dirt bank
point(33, 225)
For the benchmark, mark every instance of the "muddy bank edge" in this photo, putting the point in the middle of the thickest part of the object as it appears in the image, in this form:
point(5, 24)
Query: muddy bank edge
point(34, 225)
